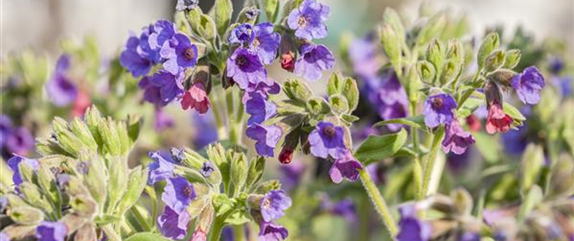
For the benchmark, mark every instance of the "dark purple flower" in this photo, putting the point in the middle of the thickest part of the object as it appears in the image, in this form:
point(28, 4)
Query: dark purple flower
point(272, 232)
point(173, 224)
point(259, 108)
point(207, 168)
point(61, 89)
point(20, 141)
point(457, 163)
point(273, 205)
point(410, 227)
point(327, 139)
point(161, 168)
point(291, 174)
point(151, 92)
point(242, 34)
point(308, 20)
point(5, 128)
point(389, 97)
point(456, 139)
point(179, 54)
point(556, 65)
point(170, 86)
point(131, 59)
point(564, 84)
point(439, 109)
point(51, 231)
point(515, 141)
point(262, 88)
point(178, 193)
point(313, 59)
point(186, 5)
point(245, 67)
point(363, 55)
point(345, 166)
point(528, 85)
point(14, 164)
point(265, 42)
point(344, 208)
point(266, 138)
point(207, 133)
point(162, 120)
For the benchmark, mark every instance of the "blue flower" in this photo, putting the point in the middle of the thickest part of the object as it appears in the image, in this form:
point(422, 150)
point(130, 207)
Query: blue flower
point(61, 89)
point(14, 164)
point(20, 141)
point(272, 232)
point(242, 34)
point(173, 224)
point(245, 67)
point(259, 108)
point(265, 42)
point(161, 168)
point(266, 138)
point(327, 139)
point(170, 86)
point(345, 166)
point(410, 227)
point(313, 60)
point(5, 128)
point(186, 5)
point(528, 85)
point(51, 231)
point(179, 54)
point(178, 193)
point(273, 205)
point(388, 97)
point(439, 109)
point(131, 59)
point(308, 20)
point(207, 132)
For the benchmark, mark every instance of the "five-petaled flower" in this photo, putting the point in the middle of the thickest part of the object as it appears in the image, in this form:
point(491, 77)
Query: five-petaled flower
point(327, 139)
point(456, 139)
point(273, 205)
point(528, 85)
point(345, 166)
point(439, 109)
point(245, 67)
point(313, 60)
point(308, 20)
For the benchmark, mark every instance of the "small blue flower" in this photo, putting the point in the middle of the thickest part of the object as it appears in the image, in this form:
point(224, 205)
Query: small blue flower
point(242, 34)
point(179, 54)
point(265, 42)
point(308, 20)
point(259, 108)
point(313, 60)
point(131, 59)
point(245, 68)
point(273, 205)
point(345, 166)
point(266, 138)
point(410, 227)
point(178, 193)
point(20, 141)
point(528, 85)
point(388, 97)
point(161, 168)
point(439, 109)
point(170, 86)
point(173, 224)
point(61, 89)
point(51, 231)
point(14, 164)
point(272, 232)
point(327, 139)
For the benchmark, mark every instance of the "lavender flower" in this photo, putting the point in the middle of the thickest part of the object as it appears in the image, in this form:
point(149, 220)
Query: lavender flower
point(60, 88)
point(178, 193)
point(313, 60)
point(5, 128)
point(308, 20)
point(151, 92)
point(162, 120)
point(208, 133)
point(327, 139)
point(161, 32)
point(410, 227)
point(438, 109)
point(245, 67)
point(4, 237)
point(20, 141)
point(242, 34)
point(207, 168)
point(266, 138)
point(51, 231)
point(173, 224)
point(259, 108)
point(186, 5)
point(291, 174)
point(131, 59)
point(263, 88)
point(345, 166)
point(273, 205)
point(362, 53)
point(161, 168)
point(388, 96)
point(456, 139)
point(179, 54)
point(528, 85)
point(170, 86)
point(14, 164)
point(265, 42)
point(272, 232)
point(564, 84)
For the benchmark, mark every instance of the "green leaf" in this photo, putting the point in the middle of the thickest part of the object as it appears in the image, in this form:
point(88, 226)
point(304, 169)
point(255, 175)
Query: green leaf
point(223, 10)
point(533, 198)
point(237, 218)
point(489, 44)
point(207, 27)
point(146, 237)
point(272, 9)
point(351, 93)
point(335, 84)
point(513, 112)
point(469, 106)
point(391, 46)
point(391, 18)
point(107, 219)
point(377, 148)
point(415, 121)
point(433, 29)
point(532, 162)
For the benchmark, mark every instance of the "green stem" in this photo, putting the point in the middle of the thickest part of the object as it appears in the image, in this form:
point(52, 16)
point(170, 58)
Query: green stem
point(379, 203)
point(221, 133)
point(216, 230)
point(140, 218)
point(110, 233)
point(428, 170)
point(417, 169)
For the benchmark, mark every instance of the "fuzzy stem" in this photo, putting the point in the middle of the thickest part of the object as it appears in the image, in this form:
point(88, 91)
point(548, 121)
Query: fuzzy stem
point(216, 230)
point(428, 175)
point(379, 202)
point(110, 233)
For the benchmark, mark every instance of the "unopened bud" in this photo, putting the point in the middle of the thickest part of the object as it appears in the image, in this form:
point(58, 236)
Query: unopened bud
point(489, 44)
point(26, 215)
point(512, 58)
point(267, 186)
point(286, 156)
point(255, 173)
point(288, 61)
point(494, 60)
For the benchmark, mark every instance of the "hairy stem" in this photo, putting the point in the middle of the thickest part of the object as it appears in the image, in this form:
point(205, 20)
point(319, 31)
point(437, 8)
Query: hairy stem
point(111, 234)
point(379, 202)
point(430, 163)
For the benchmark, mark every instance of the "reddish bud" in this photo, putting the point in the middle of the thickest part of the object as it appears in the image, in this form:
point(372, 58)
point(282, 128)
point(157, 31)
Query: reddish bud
point(288, 61)
point(473, 123)
point(81, 103)
point(286, 156)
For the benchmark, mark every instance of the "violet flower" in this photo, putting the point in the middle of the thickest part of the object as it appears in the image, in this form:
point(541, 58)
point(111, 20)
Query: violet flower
point(173, 224)
point(345, 166)
point(20, 141)
point(362, 53)
point(5, 128)
point(186, 5)
point(272, 232)
point(61, 89)
point(170, 86)
point(179, 53)
point(313, 60)
point(265, 42)
point(528, 85)
point(266, 138)
point(208, 133)
point(245, 67)
point(273, 205)
point(388, 97)
point(308, 20)
point(242, 34)
point(51, 231)
point(178, 193)
point(161, 168)
point(456, 139)
point(410, 227)
point(131, 59)
point(291, 174)
point(14, 164)
point(439, 109)
point(259, 108)
point(327, 139)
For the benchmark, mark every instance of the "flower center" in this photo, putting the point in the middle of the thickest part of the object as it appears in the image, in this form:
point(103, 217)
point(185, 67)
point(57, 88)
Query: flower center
point(241, 60)
point(302, 21)
point(329, 131)
point(189, 54)
point(266, 204)
point(437, 103)
point(255, 43)
point(187, 191)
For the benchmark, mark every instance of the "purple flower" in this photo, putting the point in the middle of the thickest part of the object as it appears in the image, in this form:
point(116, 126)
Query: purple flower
point(60, 88)
point(266, 138)
point(178, 193)
point(4, 237)
point(265, 42)
point(410, 227)
point(245, 67)
point(456, 139)
point(252, 13)
point(263, 88)
point(273, 205)
point(51, 231)
point(313, 59)
point(528, 85)
point(151, 92)
point(272, 232)
point(362, 53)
point(161, 168)
point(327, 139)
point(131, 59)
point(14, 164)
point(5, 128)
point(242, 34)
point(186, 5)
point(162, 31)
point(345, 166)
point(556, 65)
point(170, 87)
point(179, 54)
point(173, 224)
point(308, 20)
point(207, 168)
point(162, 120)
point(208, 133)
point(259, 108)
point(564, 84)
point(291, 174)
point(438, 109)
point(20, 141)
point(388, 96)
point(344, 208)
point(515, 141)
